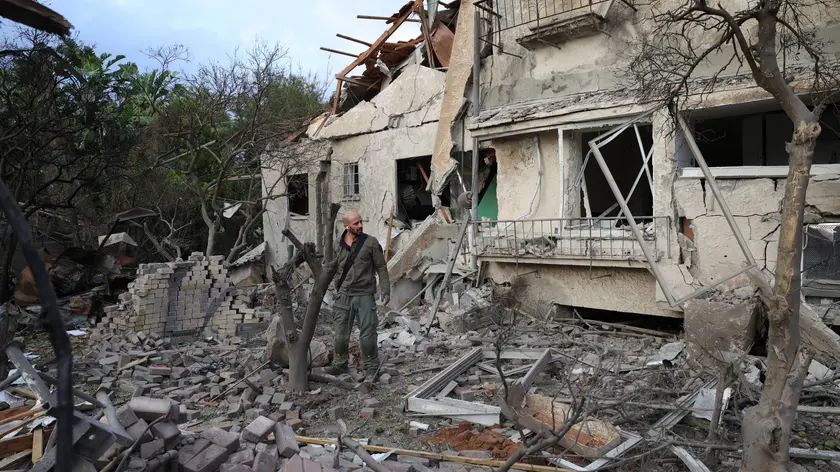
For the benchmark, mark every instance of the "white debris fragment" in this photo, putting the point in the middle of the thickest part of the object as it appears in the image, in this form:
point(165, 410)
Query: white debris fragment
point(406, 339)
point(668, 353)
point(704, 406)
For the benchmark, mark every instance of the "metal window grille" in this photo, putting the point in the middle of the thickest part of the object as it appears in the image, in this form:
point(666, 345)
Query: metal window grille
point(351, 179)
point(507, 14)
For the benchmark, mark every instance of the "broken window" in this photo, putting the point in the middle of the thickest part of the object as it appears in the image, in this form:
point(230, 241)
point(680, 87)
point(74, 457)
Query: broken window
point(624, 155)
point(821, 269)
point(414, 200)
point(297, 187)
point(351, 180)
point(758, 139)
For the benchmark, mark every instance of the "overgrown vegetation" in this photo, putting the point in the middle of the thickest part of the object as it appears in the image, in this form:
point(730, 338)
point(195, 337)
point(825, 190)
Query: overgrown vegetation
point(85, 135)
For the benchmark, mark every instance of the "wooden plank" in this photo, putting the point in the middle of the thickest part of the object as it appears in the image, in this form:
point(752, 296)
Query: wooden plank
point(13, 412)
point(24, 423)
point(37, 445)
point(366, 54)
point(348, 38)
point(20, 415)
point(335, 51)
point(19, 443)
point(442, 40)
point(24, 392)
point(440, 457)
point(14, 458)
point(384, 18)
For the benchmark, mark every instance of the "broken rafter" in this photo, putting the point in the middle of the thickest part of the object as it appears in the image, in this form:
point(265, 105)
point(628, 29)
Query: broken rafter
point(370, 51)
point(385, 18)
point(335, 51)
point(348, 38)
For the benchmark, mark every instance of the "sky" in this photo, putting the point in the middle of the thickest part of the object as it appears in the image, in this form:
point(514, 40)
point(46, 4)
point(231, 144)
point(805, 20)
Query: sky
point(213, 29)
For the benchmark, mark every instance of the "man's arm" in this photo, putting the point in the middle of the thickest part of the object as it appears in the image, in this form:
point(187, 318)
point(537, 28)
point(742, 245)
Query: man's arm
point(381, 268)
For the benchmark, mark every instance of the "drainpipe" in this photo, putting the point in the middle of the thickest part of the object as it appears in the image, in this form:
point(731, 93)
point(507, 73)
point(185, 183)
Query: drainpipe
point(476, 110)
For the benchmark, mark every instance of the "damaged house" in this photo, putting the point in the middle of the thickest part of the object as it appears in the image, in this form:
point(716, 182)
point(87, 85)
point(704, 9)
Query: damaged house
point(402, 136)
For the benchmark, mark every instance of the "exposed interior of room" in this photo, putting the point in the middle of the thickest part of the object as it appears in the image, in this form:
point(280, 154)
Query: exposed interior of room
point(414, 201)
point(733, 136)
point(297, 187)
point(624, 156)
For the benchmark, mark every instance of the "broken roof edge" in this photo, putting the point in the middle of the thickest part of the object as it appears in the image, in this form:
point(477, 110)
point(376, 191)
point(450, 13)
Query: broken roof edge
point(614, 100)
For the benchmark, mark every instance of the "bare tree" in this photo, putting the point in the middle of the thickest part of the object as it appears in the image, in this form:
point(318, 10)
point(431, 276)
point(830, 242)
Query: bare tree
point(222, 121)
point(687, 47)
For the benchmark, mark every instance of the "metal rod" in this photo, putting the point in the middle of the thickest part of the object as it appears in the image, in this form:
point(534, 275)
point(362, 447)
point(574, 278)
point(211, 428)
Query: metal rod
point(710, 179)
point(596, 151)
point(59, 339)
point(450, 265)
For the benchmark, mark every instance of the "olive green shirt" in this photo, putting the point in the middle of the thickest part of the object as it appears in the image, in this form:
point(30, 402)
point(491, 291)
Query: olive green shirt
point(370, 261)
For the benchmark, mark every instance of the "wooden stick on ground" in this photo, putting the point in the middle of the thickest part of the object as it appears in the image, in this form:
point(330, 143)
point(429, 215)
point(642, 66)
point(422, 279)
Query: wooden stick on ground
point(233, 385)
point(21, 415)
point(437, 456)
point(15, 428)
point(133, 364)
point(363, 455)
point(37, 445)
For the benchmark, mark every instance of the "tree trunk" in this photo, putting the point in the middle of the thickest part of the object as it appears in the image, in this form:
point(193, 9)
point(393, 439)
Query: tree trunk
point(212, 231)
point(766, 427)
point(299, 350)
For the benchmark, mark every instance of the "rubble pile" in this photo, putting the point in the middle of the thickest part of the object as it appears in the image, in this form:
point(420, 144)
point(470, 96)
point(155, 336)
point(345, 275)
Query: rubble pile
point(184, 295)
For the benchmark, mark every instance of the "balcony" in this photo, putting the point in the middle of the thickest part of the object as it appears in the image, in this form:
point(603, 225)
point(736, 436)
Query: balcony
point(568, 241)
point(548, 20)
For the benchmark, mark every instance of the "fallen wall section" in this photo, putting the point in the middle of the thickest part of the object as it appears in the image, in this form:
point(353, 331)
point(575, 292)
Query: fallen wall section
point(189, 295)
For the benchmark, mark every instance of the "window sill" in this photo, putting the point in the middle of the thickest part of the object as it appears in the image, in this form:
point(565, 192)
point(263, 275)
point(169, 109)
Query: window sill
point(754, 172)
point(299, 217)
point(351, 198)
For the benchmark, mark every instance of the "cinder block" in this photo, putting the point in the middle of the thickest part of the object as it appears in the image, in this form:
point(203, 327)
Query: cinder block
point(208, 460)
point(284, 436)
point(223, 438)
point(258, 429)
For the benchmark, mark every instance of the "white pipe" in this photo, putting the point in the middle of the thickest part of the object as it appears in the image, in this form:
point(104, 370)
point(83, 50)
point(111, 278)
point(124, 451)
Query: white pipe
point(562, 169)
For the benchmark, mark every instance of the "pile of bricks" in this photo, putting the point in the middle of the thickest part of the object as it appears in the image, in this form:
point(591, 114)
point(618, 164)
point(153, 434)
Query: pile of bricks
point(181, 296)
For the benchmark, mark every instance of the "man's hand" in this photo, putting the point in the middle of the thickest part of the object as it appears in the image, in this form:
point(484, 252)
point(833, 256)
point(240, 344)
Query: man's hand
point(386, 298)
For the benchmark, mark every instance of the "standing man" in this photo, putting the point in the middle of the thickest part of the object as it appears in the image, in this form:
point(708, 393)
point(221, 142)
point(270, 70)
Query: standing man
point(360, 259)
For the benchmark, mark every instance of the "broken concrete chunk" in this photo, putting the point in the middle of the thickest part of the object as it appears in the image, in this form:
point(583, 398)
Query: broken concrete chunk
point(220, 437)
point(299, 464)
point(151, 449)
point(284, 436)
point(264, 462)
point(191, 450)
point(150, 409)
point(258, 429)
point(245, 456)
point(207, 460)
point(138, 430)
point(126, 416)
point(367, 413)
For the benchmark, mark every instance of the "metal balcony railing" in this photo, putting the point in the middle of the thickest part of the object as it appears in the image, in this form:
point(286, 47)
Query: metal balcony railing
point(507, 14)
point(607, 238)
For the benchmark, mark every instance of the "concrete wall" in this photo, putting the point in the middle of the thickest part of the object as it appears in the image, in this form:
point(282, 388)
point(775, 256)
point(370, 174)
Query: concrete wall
point(603, 288)
point(598, 62)
point(399, 123)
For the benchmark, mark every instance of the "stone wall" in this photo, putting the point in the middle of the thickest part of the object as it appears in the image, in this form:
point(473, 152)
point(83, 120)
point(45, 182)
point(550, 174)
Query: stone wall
point(172, 297)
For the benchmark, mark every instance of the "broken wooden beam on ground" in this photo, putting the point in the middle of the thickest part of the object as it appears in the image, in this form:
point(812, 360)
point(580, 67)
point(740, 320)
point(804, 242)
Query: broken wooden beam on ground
point(437, 456)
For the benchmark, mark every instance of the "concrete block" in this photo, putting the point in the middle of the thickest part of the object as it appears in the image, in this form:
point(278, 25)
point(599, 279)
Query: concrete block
point(284, 437)
point(258, 429)
point(220, 437)
point(126, 416)
point(245, 456)
point(150, 409)
point(227, 467)
point(207, 460)
point(138, 429)
point(395, 466)
point(264, 462)
point(367, 413)
point(336, 413)
point(295, 423)
point(299, 464)
point(151, 449)
point(191, 450)
point(713, 328)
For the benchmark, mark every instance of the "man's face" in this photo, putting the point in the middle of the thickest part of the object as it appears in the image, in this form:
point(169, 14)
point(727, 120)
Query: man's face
point(354, 224)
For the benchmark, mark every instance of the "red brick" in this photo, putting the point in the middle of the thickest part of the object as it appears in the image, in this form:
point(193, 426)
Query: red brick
point(207, 460)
